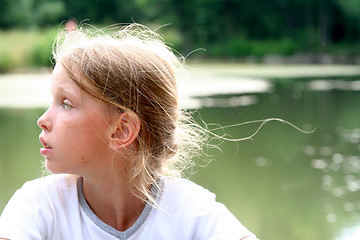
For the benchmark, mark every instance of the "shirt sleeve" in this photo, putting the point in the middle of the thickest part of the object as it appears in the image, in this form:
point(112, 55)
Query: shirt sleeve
point(211, 220)
point(26, 216)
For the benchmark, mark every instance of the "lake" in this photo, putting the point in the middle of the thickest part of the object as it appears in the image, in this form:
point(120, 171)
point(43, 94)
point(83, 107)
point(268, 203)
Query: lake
point(282, 184)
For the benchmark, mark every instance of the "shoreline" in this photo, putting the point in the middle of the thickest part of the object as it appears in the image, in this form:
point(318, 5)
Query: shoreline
point(31, 90)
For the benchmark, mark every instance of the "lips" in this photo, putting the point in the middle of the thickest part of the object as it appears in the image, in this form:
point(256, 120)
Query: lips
point(47, 149)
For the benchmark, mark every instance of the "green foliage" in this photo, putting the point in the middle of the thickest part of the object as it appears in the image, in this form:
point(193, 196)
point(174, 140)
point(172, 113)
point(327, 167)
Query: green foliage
point(41, 50)
point(25, 49)
point(351, 7)
point(5, 62)
point(41, 54)
point(31, 13)
point(241, 47)
point(226, 28)
point(5, 19)
point(50, 12)
point(14, 49)
point(103, 11)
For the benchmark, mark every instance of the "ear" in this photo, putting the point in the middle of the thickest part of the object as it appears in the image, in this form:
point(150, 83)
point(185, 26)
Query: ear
point(127, 128)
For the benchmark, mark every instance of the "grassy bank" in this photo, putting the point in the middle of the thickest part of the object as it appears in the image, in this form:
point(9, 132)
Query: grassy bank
point(25, 49)
point(28, 49)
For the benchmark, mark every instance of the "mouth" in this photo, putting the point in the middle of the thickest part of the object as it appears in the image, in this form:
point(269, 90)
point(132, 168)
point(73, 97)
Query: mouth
point(46, 150)
point(44, 143)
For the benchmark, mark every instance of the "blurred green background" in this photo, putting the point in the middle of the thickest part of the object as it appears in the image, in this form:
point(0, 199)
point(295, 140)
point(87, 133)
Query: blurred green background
point(310, 31)
point(247, 60)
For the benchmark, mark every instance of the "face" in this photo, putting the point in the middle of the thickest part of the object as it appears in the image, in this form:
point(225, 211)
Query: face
point(75, 128)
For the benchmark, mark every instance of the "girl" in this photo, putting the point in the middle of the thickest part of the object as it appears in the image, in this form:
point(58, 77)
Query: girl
point(113, 137)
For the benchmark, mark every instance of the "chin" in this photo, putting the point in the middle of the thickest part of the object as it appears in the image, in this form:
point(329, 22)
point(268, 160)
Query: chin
point(52, 169)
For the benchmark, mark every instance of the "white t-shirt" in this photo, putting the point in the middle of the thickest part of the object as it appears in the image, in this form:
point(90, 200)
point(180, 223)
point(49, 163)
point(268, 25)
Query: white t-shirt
point(54, 207)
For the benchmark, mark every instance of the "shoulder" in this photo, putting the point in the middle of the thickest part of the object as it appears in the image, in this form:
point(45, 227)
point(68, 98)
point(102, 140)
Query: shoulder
point(185, 188)
point(55, 190)
point(39, 203)
point(184, 194)
point(200, 213)
point(57, 180)
point(45, 191)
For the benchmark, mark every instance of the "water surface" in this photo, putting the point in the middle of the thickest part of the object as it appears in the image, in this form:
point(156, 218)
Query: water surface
point(283, 184)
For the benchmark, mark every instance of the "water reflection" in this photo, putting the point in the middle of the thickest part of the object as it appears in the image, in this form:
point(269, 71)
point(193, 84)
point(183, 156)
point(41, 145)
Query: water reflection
point(262, 162)
point(196, 96)
point(234, 101)
point(340, 166)
point(331, 190)
point(326, 85)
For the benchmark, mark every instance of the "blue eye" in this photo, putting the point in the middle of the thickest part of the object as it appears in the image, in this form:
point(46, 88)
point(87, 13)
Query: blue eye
point(66, 105)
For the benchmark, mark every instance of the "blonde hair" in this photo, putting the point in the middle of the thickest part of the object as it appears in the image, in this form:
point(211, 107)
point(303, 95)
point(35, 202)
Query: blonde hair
point(132, 69)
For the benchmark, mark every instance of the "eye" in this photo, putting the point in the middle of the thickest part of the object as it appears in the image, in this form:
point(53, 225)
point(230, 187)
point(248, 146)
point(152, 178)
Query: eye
point(66, 104)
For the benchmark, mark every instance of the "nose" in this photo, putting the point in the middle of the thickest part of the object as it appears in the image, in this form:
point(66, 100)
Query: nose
point(44, 122)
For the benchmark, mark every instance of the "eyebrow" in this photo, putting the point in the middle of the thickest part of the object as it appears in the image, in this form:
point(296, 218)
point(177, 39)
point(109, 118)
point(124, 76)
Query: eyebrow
point(63, 90)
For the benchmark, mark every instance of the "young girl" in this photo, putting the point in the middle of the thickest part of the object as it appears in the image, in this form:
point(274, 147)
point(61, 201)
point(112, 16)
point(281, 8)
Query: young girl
point(113, 138)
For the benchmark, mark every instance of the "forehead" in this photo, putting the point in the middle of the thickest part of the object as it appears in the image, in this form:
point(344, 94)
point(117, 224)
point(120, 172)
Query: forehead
point(79, 88)
point(72, 75)
point(60, 78)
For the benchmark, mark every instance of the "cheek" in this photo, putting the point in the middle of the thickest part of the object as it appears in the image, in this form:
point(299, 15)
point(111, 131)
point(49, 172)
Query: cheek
point(82, 148)
point(88, 138)
point(99, 127)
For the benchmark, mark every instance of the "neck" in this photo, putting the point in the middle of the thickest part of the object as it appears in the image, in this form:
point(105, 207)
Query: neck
point(112, 201)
